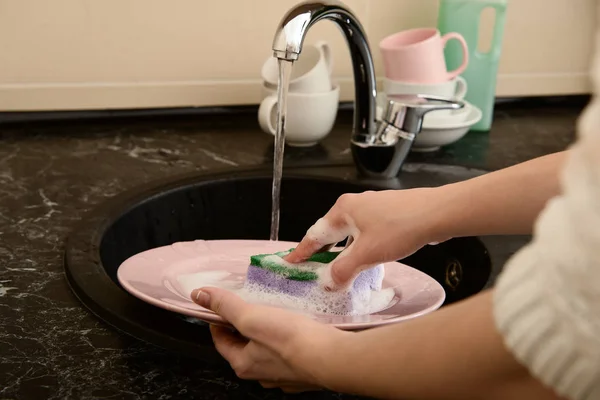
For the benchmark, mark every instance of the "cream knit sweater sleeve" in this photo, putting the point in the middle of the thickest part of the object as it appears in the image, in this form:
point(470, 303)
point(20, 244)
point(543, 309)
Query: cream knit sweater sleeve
point(547, 299)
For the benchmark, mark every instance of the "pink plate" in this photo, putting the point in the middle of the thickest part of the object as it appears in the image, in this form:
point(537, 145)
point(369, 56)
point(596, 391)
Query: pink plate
point(164, 277)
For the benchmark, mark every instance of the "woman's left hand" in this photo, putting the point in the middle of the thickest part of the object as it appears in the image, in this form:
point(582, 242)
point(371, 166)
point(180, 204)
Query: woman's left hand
point(276, 347)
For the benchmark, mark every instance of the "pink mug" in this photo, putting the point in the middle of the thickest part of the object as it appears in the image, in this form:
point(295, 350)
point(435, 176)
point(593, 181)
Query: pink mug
point(417, 56)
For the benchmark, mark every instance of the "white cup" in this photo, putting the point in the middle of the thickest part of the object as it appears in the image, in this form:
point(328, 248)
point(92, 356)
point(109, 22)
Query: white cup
point(311, 73)
point(309, 118)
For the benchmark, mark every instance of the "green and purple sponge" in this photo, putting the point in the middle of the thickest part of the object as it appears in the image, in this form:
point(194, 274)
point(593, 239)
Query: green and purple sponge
point(272, 272)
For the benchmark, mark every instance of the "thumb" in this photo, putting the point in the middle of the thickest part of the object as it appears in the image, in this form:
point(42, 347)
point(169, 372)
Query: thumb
point(349, 264)
point(222, 302)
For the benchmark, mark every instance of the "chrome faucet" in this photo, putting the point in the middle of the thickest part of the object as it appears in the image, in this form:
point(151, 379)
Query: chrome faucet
point(379, 145)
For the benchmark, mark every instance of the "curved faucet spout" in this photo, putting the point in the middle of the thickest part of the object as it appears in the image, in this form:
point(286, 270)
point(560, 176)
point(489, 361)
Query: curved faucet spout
point(289, 38)
point(379, 147)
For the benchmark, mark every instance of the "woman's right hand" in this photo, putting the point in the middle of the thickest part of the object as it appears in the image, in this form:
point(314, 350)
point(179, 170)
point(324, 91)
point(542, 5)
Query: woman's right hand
point(383, 226)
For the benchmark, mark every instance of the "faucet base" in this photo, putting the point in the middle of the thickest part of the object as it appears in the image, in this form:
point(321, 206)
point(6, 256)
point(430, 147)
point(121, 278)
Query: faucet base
point(381, 162)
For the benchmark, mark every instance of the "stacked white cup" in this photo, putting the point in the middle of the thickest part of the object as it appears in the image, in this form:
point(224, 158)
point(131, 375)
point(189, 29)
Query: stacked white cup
point(312, 100)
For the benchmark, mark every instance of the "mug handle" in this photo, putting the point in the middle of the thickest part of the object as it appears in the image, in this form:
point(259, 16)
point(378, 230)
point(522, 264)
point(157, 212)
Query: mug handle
point(465, 50)
point(265, 111)
point(325, 49)
point(461, 87)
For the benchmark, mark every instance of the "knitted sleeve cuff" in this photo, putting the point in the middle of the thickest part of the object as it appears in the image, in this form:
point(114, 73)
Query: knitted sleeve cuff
point(547, 299)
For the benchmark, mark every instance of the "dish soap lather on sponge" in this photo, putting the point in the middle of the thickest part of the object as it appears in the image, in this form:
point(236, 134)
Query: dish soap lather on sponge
point(273, 273)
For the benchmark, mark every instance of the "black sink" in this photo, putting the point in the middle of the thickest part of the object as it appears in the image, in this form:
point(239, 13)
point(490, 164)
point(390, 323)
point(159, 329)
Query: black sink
point(236, 204)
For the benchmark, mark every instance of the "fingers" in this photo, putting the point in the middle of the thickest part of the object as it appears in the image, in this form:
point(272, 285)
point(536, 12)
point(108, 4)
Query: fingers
point(330, 229)
point(222, 302)
point(305, 249)
point(322, 236)
point(229, 344)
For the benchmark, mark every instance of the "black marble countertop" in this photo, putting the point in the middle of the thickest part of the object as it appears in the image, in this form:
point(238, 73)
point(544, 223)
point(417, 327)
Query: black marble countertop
point(51, 172)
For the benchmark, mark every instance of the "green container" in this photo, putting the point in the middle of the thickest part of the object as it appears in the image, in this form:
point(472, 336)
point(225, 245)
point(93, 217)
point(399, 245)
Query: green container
point(464, 16)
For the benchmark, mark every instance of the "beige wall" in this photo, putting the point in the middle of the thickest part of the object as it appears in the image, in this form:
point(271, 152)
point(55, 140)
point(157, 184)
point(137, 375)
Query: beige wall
point(88, 54)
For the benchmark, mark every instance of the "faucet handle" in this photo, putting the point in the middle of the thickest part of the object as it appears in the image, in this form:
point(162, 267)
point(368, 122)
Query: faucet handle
point(402, 118)
point(406, 112)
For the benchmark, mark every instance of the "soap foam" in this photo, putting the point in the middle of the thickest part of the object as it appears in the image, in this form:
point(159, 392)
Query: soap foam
point(319, 301)
point(315, 301)
point(313, 266)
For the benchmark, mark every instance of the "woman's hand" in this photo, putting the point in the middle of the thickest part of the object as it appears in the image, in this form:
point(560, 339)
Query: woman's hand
point(278, 348)
point(383, 226)
point(416, 359)
point(393, 224)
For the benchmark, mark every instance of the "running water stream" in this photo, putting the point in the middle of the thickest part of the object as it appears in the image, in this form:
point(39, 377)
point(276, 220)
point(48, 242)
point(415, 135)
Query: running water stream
point(285, 70)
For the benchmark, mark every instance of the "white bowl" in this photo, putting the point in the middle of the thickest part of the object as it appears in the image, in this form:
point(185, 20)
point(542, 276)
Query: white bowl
point(439, 132)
